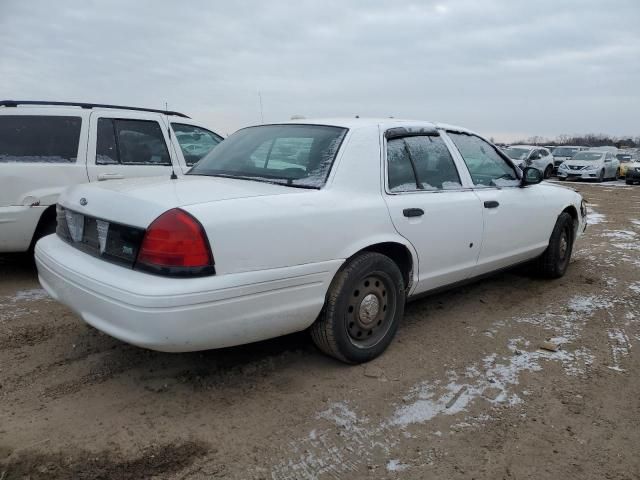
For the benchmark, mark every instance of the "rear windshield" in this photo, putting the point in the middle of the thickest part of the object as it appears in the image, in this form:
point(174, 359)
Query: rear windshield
point(517, 153)
point(293, 155)
point(43, 139)
point(564, 152)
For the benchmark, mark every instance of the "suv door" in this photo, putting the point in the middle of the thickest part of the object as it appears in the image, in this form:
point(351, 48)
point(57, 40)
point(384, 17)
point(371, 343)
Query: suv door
point(431, 207)
point(124, 145)
point(611, 164)
point(517, 222)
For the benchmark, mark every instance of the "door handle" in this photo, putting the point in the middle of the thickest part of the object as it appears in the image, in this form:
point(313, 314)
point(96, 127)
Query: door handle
point(491, 204)
point(413, 212)
point(110, 176)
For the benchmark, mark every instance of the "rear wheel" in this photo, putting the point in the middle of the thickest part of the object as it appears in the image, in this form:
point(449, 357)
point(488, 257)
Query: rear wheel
point(46, 226)
point(364, 306)
point(554, 261)
point(548, 171)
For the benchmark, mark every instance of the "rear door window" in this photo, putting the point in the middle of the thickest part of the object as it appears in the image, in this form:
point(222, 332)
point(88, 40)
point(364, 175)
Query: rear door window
point(195, 142)
point(130, 142)
point(39, 138)
point(420, 163)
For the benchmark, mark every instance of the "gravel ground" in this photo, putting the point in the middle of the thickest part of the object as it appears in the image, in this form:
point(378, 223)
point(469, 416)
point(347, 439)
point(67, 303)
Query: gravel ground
point(464, 391)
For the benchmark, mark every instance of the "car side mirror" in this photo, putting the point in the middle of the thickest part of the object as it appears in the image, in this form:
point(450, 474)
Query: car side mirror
point(530, 176)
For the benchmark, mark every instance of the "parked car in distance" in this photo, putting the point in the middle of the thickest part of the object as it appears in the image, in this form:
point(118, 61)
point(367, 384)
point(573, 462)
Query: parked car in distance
point(46, 147)
point(590, 164)
point(564, 153)
point(328, 224)
point(626, 158)
point(532, 156)
point(632, 174)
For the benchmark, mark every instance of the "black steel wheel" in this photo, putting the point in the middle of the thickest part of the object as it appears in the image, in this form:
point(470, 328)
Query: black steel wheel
point(553, 263)
point(364, 306)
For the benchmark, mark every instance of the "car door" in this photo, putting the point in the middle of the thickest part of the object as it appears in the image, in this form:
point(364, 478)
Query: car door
point(611, 164)
point(125, 145)
point(517, 222)
point(431, 206)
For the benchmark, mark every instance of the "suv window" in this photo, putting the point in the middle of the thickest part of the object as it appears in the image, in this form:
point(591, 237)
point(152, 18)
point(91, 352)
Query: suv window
point(130, 142)
point(195, 142)
point(544, 152)
point(37, 138)
point(425, 156)
point(486, 166)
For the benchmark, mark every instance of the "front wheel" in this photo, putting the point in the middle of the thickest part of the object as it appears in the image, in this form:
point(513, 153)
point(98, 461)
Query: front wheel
point(601, 176)
point(363, 308)
point(554, 261)
point(548, 171)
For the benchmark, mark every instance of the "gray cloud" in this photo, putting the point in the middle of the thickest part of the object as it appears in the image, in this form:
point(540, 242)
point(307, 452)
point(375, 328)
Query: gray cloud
point(503, 68)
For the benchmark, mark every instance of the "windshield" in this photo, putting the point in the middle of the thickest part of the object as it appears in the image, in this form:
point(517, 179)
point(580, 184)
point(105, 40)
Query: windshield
point(517, 153)
point(564, 152)
point(624, 157)
point(294, 155)
point(588, 156)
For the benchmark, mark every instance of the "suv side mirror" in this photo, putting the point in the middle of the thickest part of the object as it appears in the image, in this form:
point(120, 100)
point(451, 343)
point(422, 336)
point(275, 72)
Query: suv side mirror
point(530, 176)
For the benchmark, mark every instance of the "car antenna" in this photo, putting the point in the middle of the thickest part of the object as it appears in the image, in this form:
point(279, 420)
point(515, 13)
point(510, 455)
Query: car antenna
point(166, 112)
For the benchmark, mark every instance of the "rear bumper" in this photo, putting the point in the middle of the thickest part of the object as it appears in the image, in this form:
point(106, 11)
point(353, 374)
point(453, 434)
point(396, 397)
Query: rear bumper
point(17, 225)
point(179, 315)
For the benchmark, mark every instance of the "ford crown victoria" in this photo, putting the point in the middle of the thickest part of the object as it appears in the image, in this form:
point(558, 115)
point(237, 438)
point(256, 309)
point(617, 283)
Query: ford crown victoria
point(327, 225)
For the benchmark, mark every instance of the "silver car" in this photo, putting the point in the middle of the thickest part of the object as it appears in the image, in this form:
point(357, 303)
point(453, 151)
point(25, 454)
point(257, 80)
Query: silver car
point(590, 165)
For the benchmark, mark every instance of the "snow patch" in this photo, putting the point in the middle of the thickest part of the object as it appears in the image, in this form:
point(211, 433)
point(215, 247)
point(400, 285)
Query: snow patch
point(29, 295)
point(396, 466)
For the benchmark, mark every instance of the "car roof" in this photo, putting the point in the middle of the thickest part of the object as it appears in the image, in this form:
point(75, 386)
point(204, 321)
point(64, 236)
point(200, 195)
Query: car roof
point(383, 123)
point(84, 106)
point(530, 147)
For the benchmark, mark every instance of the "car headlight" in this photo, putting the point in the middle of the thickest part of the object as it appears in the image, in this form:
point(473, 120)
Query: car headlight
point(563, 166)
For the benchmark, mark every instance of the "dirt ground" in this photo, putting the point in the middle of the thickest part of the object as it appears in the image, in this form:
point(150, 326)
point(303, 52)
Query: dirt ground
point(463, 392)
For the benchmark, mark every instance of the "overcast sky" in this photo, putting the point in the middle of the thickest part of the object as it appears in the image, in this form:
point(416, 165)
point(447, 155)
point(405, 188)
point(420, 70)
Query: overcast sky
point(505, 68)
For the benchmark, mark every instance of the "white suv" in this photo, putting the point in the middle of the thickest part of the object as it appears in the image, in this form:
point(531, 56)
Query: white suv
point(532, 156)
point(46, 147)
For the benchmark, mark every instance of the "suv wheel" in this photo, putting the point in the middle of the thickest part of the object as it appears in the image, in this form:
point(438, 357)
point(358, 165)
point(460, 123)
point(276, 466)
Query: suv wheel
point(364, 306)
point(548, 171)
point(554, 261)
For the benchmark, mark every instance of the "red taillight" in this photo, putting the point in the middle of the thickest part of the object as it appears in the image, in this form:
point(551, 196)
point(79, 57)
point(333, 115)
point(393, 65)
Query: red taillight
point(175, 243)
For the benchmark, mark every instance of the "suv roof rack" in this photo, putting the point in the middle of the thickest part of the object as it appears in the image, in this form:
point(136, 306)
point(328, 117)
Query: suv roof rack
point(15, 103)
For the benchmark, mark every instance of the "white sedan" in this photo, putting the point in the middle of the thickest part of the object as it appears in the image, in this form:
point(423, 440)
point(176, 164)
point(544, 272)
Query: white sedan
point(324, 224)
point(593, 164)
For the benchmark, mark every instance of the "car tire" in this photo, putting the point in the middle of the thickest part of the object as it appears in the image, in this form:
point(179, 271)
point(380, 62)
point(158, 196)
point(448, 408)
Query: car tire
point(45, 227)
point(628, 182)
point(362, 310)
point(562, 179)
point(554, 261)
point(617, 175)
point(601, 176)
point(548, 171)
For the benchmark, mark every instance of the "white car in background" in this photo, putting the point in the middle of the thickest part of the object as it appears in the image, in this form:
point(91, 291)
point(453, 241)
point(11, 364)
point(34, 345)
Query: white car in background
point(328, 224)
point(532, 156)
point(564, 153)
point(46, 147)
point(592, 164)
